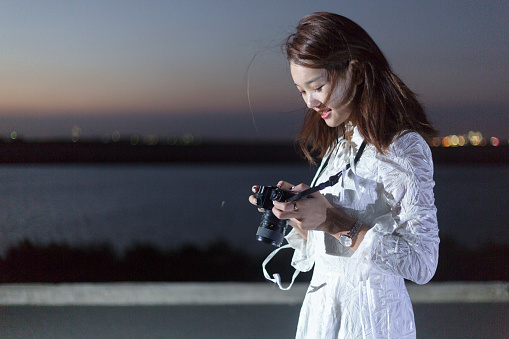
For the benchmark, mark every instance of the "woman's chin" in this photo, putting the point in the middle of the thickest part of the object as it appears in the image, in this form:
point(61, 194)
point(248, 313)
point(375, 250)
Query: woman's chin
point(333, 122)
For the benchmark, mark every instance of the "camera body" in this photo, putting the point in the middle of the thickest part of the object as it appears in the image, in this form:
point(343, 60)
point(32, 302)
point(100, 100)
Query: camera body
point(271, 230)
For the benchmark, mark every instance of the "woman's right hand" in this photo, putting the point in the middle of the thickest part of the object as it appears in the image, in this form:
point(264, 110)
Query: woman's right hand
point(285, 186)
point(252, 198)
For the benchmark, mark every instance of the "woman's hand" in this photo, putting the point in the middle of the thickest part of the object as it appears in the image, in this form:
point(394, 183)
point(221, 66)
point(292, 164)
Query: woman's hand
point(313, 213)
point(305, 214)
point(252, 198)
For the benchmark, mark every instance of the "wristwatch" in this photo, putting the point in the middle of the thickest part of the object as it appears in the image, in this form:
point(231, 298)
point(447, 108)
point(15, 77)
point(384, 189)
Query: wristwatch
point(346, 240)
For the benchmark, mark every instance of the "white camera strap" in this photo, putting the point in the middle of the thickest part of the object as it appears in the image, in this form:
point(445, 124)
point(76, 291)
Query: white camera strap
point(276, 277)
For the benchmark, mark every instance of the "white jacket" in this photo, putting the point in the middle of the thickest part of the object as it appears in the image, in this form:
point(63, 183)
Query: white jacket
point(362, 294)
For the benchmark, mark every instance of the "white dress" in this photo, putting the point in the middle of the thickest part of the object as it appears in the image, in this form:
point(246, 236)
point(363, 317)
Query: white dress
point(362, 294)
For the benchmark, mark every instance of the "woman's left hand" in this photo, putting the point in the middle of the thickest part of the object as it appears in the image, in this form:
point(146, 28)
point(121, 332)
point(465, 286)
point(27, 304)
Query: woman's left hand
point(313, 213)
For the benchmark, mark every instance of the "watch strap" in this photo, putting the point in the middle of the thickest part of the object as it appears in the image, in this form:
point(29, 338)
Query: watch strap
point(355, 229)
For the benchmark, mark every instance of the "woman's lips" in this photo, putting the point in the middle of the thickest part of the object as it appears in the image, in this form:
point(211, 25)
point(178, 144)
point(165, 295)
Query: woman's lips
point(325, 114)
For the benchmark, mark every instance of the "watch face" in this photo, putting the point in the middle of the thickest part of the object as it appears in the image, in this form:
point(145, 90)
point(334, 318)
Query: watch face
point(345, 240)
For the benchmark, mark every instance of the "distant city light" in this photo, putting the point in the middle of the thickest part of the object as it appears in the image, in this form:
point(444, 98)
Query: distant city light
point(173, 140)
point(134, 140)
point(115, 136)
point(187, 139)
point(454, 140)
point(476, 138)
point(494, 141)
point(473, 138)
point(461, 141)
point(75, 133)
point(151, 140)
point(446, 142)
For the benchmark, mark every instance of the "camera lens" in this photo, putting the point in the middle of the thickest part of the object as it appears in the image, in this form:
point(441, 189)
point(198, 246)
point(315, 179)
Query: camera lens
point(272, 230)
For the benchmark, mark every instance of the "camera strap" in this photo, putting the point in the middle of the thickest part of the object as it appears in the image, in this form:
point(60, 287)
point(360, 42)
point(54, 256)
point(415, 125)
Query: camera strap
point(276, 278)
point(333, 180)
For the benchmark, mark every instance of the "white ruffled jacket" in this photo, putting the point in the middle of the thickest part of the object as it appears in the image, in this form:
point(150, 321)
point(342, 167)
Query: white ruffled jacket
point(362, 294)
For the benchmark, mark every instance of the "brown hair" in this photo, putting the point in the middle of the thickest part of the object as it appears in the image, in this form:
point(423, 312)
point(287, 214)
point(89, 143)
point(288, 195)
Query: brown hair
point(384, 106)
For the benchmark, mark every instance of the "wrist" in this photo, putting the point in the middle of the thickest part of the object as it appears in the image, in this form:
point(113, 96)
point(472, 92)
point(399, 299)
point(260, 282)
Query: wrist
point(336, 222)
point(347, 240)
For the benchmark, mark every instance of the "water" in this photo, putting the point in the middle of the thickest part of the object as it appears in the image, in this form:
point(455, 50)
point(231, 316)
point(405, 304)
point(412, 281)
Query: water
point(170, 205)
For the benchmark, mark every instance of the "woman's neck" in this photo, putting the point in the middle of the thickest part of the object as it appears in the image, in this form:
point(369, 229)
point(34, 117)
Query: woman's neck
point(349, 127)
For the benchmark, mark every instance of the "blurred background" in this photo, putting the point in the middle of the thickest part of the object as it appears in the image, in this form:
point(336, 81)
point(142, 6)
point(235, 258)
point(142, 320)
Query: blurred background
point(131, 132)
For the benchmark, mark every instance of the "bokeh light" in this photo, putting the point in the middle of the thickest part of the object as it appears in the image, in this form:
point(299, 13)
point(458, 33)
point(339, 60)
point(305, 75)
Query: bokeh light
point(151, 140)
point(115, 136)
point(173, 140)
point(494, 141)
point(475, 138)
point(446, 142)
point(461, 141)
point(454, 140)
point(187, 139)
point(75, 132)
point(134, 140)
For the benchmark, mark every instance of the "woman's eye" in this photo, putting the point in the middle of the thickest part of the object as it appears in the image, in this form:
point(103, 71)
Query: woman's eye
point(319, 89)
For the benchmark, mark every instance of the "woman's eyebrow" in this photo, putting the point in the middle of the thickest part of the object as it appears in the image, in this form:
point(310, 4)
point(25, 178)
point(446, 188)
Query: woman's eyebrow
point(312, 80)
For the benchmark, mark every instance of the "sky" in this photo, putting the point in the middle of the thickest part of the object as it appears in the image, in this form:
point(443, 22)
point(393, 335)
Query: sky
point(214, 69)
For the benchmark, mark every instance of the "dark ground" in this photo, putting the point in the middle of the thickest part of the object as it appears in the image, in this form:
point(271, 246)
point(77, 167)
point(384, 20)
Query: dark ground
point(465, 320)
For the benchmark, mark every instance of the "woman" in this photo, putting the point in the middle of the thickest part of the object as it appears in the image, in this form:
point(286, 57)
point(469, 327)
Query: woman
point(377, 226)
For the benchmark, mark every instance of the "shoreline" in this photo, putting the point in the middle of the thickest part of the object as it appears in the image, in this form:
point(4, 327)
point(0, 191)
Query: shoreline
point(20, 152)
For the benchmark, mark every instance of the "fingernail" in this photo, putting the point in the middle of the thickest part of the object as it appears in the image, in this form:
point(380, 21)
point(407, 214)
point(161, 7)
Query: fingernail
point(292, 188)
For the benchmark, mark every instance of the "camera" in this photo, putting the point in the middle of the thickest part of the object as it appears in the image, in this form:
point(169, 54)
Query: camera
point(271, 230)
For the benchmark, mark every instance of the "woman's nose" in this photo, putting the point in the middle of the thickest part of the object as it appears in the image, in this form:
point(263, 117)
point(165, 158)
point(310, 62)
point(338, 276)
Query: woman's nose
point(311, 102)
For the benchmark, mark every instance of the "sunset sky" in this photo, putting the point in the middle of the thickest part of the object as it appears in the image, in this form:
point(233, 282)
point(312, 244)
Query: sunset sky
point(176, 67)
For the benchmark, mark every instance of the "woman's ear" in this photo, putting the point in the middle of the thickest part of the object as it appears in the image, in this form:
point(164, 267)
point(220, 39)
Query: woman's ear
point(355, 68)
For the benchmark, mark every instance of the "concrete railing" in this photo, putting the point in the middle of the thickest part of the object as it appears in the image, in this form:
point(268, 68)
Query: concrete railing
point(192, 293)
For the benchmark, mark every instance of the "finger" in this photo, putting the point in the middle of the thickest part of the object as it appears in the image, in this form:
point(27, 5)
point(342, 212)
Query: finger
point(252, 199)
point(255, 188)
point(284, 206)
point(285, 185)
point(279, 213)
point(300, 188)
point(284, 214)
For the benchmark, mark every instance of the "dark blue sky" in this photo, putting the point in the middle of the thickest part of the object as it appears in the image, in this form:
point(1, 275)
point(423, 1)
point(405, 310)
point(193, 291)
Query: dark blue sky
point(175, 67)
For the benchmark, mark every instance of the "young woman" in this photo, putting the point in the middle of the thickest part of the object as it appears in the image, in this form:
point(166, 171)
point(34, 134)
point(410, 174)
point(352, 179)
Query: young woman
point(377, 226)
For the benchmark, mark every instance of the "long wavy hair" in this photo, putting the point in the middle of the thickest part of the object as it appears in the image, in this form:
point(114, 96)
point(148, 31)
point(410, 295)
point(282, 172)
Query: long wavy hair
point(383, 106)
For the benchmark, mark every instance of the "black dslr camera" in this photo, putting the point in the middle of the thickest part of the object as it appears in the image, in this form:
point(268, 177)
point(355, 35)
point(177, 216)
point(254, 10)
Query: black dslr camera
point(271, 230)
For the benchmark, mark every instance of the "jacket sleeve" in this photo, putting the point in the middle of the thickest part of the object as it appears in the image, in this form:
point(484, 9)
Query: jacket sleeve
point(405, 241)
point(302, 260)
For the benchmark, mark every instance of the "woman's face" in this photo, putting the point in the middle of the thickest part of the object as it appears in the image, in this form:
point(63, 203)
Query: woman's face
point(314, 86)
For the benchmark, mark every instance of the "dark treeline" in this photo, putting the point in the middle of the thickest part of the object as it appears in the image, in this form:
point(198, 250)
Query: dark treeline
point(57, 263)
point(100, 263)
